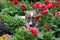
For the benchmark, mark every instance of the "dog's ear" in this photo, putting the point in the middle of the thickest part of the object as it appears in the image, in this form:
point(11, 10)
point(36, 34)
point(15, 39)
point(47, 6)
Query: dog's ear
point(27, 13)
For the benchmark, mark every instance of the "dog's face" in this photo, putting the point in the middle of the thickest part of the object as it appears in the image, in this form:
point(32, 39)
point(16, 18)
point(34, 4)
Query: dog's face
point(31, 21)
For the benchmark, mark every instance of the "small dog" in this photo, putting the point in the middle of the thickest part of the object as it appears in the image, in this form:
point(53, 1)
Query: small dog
point(30, 19)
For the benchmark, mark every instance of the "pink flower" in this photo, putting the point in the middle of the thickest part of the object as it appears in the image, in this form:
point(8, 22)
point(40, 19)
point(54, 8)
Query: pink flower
point(45, 12)
point(34, 31)
point(5, 36)
point(37, 5)
point(23, 6)
point(57, 14)
point(15, 2)
point(43, 7)
point(47, 27)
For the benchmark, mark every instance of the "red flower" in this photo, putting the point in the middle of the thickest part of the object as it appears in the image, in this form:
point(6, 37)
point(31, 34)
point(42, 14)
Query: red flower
point(33, 6)
point(47, 27)
point(51, 2)
point(15, 2)
point(57, 14)
point(37, 5)
point(57, 5)
point(58, 1)
point(45, 12)
point(38, 16)
point(50, 5)
point(34, 31)
point(23, 6)
point(43, 7)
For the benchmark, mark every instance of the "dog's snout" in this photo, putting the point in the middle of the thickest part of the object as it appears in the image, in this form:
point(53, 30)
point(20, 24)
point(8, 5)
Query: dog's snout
point(31, 25)
point(30, 22)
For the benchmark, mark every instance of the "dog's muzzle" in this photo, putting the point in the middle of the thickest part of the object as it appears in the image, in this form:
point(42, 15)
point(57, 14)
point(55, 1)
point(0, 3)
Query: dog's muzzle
point(31, 24)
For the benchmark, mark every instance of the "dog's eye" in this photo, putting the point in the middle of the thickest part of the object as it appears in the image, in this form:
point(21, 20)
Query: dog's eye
point(28, 17)
point(33, 17)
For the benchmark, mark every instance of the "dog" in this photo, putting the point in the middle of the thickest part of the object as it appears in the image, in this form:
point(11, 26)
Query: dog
point(30, 20)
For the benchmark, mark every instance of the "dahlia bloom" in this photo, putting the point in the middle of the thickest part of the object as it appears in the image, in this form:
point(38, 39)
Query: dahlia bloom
point(34, 31)
point(57, 14)
point(15, 2)
point(23, 6)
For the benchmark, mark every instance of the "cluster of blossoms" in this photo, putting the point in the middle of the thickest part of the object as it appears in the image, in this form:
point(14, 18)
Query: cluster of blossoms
point(40, 6)
point(22, 6)
point(47, 5)
point(44, 7)
point(34, 30)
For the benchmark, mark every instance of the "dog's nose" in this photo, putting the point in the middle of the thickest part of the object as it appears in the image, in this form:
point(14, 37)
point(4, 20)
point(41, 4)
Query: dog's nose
point(31, 25)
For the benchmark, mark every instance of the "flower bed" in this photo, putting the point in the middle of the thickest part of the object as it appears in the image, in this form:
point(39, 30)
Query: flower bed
point(12, 14)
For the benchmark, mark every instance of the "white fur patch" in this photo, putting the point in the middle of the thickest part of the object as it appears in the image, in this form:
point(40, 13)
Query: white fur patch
point(30, 22)
point(31, 14)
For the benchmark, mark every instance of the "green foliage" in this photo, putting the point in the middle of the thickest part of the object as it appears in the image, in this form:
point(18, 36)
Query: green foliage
point(8, 8)
point(13, 22)
point(23, 34)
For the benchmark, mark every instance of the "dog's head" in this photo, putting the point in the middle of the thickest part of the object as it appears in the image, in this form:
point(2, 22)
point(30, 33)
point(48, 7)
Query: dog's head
point(31, 21)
